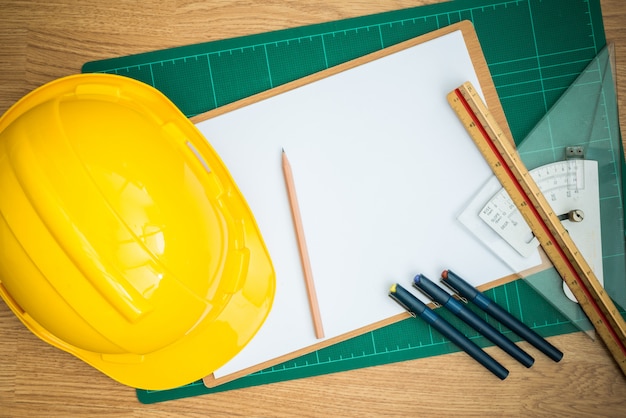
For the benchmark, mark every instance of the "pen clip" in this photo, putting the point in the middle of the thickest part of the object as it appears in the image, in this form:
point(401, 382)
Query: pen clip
point(425, 293)
point(392, 296)
point(456, 292)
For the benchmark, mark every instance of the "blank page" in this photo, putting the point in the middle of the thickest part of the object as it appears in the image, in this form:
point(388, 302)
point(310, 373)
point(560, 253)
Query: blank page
point(382, 168)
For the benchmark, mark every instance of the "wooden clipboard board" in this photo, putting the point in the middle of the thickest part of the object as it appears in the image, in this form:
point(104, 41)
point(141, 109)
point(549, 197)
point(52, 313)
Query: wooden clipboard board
point(488, 88)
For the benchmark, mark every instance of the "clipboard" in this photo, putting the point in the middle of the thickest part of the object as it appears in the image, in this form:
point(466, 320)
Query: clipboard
point(486, 84)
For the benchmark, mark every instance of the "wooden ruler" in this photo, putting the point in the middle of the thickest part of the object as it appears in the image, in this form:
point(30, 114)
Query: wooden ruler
point(500, 153)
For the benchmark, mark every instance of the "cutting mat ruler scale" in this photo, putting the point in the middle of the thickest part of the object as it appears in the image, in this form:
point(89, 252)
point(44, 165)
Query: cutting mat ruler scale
point(554, 42)
point(405, 340)
point(565, 36)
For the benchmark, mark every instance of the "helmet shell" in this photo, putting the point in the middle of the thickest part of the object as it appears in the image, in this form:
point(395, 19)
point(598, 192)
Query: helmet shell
point(123, 238)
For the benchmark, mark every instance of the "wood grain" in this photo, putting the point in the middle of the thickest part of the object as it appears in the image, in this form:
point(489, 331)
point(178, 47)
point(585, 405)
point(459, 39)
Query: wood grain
point(43, 40)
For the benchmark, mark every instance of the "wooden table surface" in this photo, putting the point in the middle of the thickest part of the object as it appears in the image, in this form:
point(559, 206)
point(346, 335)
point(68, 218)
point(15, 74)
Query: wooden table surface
point(43, 40)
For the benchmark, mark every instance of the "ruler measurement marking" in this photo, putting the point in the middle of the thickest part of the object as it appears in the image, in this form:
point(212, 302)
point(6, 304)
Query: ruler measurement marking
point(519, 302)
point(324, 50)
point(546, 55)
point(588, 12)
point(321, 34)
point(208, 60)
point(532, 25)
point(151, 74)
point(501, 156)
point(267, 62)
point(609, 138)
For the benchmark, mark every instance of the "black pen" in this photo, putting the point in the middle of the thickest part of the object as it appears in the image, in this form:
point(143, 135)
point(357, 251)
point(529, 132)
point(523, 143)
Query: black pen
point(468, 316)
point(417, 308)
point(492, 308)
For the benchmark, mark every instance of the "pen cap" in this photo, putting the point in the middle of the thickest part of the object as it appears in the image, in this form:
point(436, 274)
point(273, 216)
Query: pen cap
point(433, 291)
point(407, 300)
point(461, 286)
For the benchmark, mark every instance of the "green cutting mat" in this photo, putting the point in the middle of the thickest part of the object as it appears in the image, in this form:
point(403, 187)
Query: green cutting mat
point(535, 49)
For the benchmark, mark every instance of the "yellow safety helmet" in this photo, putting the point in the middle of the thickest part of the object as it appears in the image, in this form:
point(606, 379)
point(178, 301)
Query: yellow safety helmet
point(123, 238)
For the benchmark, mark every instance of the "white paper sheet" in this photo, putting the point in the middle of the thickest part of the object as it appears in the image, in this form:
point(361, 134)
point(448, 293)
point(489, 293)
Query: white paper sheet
point(382, 168)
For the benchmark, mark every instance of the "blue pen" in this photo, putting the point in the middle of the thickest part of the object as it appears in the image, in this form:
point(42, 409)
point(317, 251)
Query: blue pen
point(497, 312)
point(417, 308)
point(446, 300)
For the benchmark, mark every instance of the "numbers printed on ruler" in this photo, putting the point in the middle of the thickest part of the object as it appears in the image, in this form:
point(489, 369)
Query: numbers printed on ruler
point(563, 184)
point(502, 157)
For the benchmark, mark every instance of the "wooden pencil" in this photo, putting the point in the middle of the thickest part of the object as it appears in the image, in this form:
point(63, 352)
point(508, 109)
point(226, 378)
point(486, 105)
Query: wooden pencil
point(304, 254)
